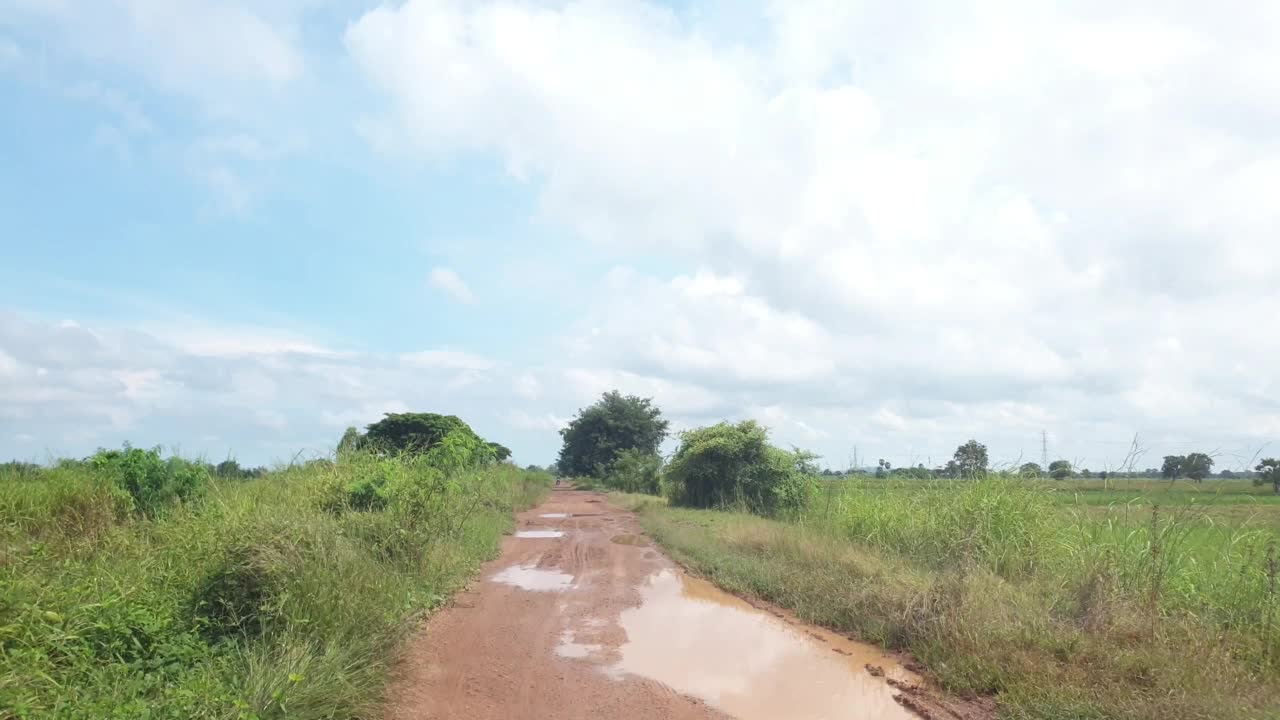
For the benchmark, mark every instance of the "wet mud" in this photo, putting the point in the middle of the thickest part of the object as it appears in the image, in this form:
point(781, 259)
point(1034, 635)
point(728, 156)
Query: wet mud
point(582, 618)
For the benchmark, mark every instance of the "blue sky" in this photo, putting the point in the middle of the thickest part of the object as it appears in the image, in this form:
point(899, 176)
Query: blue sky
point(235, 228)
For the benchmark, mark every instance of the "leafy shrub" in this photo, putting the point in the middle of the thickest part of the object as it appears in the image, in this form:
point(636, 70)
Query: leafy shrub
point(151, 481)
point(734, 464)
point(254, 604)
point(635, 471)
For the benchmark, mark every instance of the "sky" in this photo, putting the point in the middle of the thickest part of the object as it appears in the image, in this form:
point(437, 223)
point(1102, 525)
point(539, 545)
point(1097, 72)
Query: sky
point(235, 228)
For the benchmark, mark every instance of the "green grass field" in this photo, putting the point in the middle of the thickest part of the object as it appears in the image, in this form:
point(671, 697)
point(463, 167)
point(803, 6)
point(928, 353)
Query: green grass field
point(282, 596)
point(1064, 600)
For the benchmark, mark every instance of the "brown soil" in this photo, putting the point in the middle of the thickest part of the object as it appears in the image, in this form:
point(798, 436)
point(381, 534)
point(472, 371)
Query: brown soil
point(588, 625)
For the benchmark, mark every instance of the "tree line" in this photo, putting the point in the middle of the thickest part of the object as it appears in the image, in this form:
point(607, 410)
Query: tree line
point(617, 441)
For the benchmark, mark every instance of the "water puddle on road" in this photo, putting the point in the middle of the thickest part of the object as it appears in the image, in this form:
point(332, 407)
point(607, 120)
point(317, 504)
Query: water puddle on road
point(570, 648)
point(539, 534)
point(703, 642)
point(534, 578)
point(554, 515)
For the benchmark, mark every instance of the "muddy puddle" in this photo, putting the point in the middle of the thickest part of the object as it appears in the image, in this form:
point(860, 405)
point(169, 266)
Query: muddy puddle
point(534, 578)
point(702, 642)
point(539, 534)
point(554, 515)
point(570, 648)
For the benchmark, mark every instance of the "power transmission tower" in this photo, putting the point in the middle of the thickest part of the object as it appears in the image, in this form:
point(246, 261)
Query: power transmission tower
point(1044, 452)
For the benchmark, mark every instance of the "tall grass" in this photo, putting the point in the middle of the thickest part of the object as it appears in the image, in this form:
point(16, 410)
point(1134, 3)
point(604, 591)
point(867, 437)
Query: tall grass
point(269, 598)
point(1001, 586)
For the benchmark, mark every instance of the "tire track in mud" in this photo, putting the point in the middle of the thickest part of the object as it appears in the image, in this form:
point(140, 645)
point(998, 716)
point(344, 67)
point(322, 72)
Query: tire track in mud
point(598, 623)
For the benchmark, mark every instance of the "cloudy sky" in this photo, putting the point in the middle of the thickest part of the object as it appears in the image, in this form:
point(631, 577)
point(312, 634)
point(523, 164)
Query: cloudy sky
point(237, 227)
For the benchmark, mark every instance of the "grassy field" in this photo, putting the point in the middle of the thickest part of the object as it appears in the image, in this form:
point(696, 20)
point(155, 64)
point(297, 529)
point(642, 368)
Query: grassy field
point(1064, 600)
point(281, 596)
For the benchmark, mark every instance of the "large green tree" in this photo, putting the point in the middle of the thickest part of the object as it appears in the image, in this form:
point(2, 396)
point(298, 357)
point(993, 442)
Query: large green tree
point(1060, 469)
point(594, 439)
point(1197, 466)
point(412, 432)
point(1174, 467)
point(1030, 470)
point(971, 459)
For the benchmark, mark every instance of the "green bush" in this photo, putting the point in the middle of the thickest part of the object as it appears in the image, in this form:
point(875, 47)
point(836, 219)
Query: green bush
point(260, 602)
point(734, 465)
point(151, 481)
point(635, 471)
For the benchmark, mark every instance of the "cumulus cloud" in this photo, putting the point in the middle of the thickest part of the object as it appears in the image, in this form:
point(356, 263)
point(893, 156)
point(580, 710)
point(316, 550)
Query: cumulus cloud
point(891, 225)
point(451, 284)
point(265, 395)
point(916, 221)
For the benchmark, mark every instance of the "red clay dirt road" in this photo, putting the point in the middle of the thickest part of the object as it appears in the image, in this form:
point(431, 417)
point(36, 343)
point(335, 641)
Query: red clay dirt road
point(581, 618)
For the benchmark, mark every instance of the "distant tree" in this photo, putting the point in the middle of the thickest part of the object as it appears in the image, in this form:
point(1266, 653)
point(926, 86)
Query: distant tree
point(534, 468)
point(1060, 469)
point(1086, 473)
point(600, 432)
point(1174, 467)
point(882, 468)
point(1227, 475)
point(227, 469)
point(350, 441)
point(920, 472)
point(412, 432)
point(1197, 466)
point(19, 469)
point(971, 459)
point(500, 452)
point(1268, 472)
point(1030, 470)
point(1104, 475)
point(950, 470)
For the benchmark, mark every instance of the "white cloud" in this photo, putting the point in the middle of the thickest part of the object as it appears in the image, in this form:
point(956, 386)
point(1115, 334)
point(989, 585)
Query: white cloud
point(447, 360)
point(450, 283)
point(238, 388)
point(546, 422)
point(956, 219)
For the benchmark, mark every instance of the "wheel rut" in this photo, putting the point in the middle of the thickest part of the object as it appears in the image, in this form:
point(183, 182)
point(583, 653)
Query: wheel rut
point(598, 623)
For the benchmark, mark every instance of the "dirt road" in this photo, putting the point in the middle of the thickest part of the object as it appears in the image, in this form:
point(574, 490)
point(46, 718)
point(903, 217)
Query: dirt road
point(581, 618)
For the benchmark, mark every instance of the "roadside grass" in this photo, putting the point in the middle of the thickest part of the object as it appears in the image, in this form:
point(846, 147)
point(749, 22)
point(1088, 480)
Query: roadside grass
point(1059, 609)
point(262, 599)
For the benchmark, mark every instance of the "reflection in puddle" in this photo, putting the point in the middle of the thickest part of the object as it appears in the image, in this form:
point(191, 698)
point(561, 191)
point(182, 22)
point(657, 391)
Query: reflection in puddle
point(533, 578)
point(554, 515)
point(700, 641)
point(567, 648)
point(539, 534)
